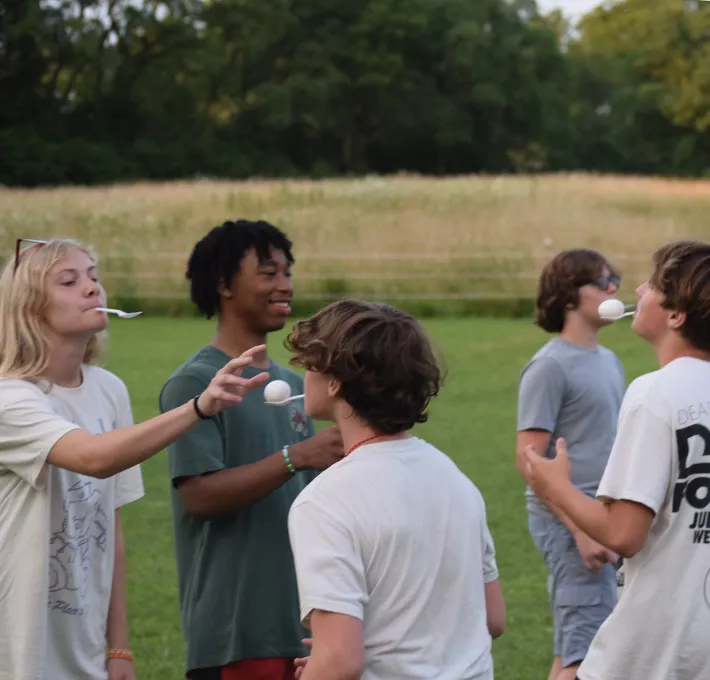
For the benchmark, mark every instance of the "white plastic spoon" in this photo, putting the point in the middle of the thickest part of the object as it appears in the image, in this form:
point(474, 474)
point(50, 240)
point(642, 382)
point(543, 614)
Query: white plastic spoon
point(121, 314)
point(285, 401)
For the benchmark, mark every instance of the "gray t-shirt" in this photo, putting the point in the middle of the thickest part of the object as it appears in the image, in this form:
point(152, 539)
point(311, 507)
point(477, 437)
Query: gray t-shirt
point(575, 393)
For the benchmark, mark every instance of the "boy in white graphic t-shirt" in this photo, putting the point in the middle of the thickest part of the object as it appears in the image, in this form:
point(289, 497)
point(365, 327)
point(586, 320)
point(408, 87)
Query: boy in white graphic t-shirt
point(395, 565)
point(654, 498)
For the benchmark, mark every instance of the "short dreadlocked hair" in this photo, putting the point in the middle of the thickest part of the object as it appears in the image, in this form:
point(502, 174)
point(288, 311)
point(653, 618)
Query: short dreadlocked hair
point(217, 257)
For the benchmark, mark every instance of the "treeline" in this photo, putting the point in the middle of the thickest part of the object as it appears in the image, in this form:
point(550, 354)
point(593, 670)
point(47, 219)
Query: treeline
point(93, 91)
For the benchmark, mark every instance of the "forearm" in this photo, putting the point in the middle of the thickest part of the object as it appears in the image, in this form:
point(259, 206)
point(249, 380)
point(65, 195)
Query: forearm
point(107, 454)
point(117, 625)
point(585, 514)
point(564, 518)
point(227, 491)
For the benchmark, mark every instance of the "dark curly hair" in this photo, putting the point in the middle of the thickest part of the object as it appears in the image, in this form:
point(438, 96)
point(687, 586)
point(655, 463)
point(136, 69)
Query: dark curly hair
point(217, 258)
point(681, 273)
point(560, 281)
point(381, 356)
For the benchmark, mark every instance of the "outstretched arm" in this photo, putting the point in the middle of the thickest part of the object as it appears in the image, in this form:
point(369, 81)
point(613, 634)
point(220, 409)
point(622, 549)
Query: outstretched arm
point(107, 454)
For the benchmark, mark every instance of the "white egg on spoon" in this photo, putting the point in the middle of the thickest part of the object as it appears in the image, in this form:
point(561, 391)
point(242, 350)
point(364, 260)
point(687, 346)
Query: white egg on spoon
point(278, 393)
point(613, 310)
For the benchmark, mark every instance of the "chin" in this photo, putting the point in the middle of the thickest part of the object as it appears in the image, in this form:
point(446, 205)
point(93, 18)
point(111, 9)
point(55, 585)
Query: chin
point(274, 326)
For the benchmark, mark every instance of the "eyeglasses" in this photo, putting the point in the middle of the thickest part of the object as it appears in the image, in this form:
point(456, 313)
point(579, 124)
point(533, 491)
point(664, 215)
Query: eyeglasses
point(602, 282)
point(18, 252)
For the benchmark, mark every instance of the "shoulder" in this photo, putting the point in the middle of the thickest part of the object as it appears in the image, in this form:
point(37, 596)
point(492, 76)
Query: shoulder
point(609, 355)
point(13, 390)
point(198, 369)
point(647, 391)
point(546, 360)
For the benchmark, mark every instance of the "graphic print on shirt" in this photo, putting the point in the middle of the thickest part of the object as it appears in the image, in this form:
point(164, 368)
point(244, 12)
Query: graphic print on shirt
point(298, 419)
point(693, 485)
point(84, 529)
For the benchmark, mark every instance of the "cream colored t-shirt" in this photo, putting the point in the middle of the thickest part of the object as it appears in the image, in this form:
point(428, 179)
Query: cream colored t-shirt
point(58, 524)
point(29, 428)
point(82, 534)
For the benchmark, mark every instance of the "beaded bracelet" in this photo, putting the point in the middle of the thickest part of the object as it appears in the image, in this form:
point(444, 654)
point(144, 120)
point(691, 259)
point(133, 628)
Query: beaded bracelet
point(119, 654)
point(287, 458)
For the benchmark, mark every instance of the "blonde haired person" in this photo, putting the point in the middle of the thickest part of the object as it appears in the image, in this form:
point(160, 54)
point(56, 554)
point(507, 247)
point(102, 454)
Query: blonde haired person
point(69, 457)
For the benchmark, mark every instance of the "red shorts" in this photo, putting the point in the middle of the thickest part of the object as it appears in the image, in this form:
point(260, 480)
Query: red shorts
point(249, 669)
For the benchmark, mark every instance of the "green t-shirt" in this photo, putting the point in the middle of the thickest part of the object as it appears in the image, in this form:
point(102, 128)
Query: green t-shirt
point(237, 581)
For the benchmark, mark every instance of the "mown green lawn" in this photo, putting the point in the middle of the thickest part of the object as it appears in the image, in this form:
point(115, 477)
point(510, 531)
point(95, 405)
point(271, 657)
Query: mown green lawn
point(473, 420)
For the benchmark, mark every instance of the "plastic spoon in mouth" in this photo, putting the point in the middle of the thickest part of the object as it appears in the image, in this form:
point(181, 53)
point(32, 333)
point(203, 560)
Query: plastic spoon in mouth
point(285, 401)
point(119, 313)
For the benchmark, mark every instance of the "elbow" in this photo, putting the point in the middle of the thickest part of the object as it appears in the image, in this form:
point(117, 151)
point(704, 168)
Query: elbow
point(626, 548)
point(197, 500)
point(626, 544)
point(97, 466)
point(199, 508)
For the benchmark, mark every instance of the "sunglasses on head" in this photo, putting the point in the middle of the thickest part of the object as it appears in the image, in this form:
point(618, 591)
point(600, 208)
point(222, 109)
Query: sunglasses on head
point(36, 244)
point(603, 282)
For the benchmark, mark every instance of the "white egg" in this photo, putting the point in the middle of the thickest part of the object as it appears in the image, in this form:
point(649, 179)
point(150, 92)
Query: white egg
point(277, 391)
point(611, 309)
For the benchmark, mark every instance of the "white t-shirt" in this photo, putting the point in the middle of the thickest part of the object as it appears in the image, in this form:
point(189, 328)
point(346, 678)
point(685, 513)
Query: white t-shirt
point(660, 629)
point(396, 536)
point(35, 500)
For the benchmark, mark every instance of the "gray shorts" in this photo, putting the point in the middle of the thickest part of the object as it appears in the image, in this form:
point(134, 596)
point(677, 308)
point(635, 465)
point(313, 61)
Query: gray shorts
point(580, 599)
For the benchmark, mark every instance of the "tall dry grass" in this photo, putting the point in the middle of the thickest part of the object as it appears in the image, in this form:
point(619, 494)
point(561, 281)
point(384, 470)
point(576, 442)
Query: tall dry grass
point(402, 237)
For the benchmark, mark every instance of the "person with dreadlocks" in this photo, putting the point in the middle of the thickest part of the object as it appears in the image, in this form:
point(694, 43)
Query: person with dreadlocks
point(235, 476)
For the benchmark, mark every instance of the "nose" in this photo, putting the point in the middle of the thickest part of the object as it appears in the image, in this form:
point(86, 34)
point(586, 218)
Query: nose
point(92, 288)
point(612, 288)
point(285, 285)
point(640, 290)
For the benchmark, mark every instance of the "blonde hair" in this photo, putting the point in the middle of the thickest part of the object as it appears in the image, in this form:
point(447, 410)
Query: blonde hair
point(24, 335)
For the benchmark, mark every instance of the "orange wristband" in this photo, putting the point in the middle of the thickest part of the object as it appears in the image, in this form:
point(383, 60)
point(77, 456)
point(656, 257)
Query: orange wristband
point(119, 654)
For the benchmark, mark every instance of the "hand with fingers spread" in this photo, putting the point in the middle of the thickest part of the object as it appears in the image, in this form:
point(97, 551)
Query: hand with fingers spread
point(300, 662)
point(228, 387)
point(545, 476)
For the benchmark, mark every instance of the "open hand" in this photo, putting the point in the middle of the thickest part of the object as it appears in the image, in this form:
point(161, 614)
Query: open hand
point(545, 476)
point(228, 387)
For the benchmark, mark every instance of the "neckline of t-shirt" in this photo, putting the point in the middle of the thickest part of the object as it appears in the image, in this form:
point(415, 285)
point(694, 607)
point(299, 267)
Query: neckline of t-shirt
point(48, 387)
point(586, 350)
point(373, 447)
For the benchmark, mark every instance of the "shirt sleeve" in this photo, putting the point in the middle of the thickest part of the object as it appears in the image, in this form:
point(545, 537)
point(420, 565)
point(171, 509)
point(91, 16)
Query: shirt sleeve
point(490, 566)
point(540, 395)
point(129, 483)
point(641, 461)
point(329, 568)
point(200, 450)
point(29, 429)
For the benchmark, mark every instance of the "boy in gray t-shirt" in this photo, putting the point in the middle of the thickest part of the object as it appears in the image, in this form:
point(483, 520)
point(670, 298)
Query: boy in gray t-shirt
point(572, 388)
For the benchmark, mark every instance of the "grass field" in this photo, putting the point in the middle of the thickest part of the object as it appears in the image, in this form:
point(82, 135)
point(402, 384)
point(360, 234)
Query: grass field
point(472, 420)
point(400, 237)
